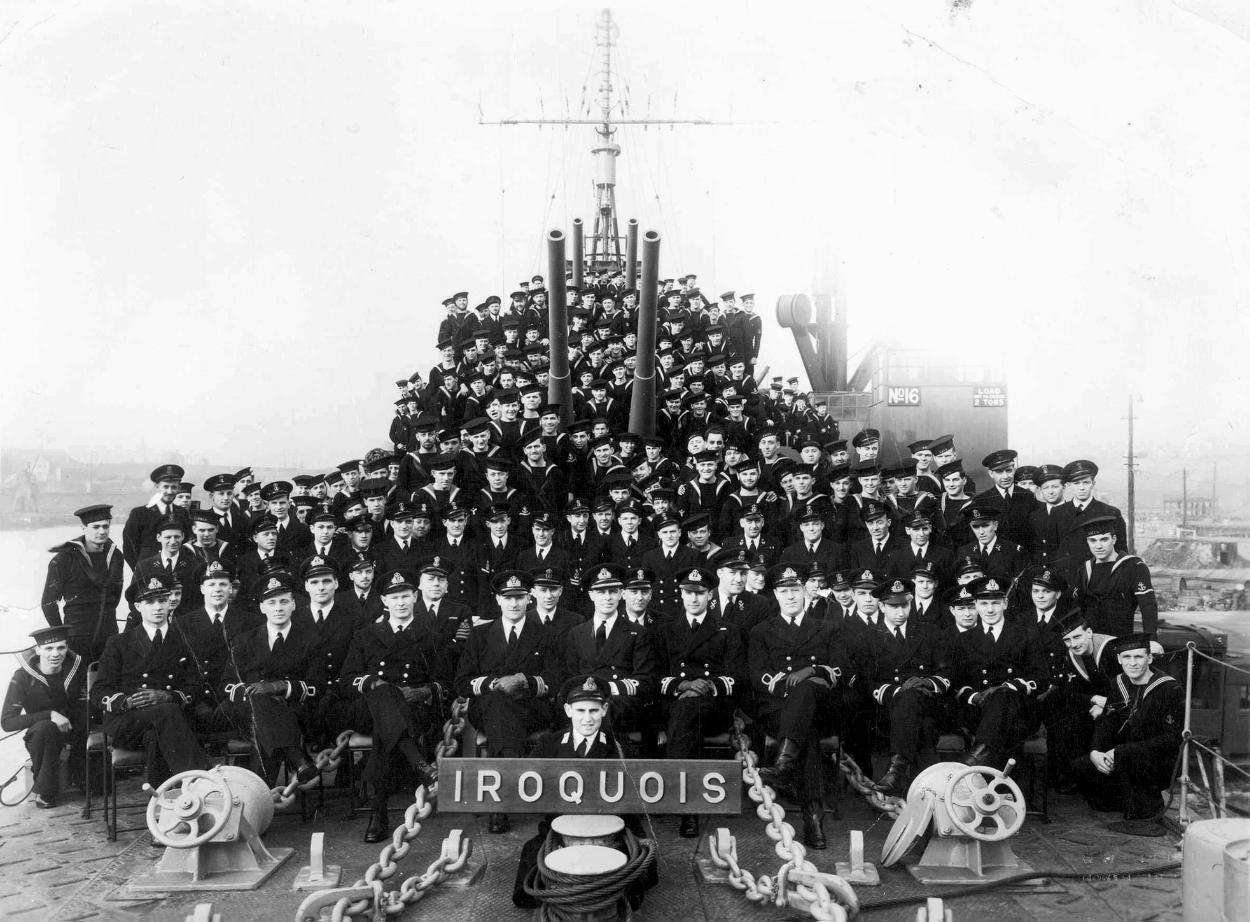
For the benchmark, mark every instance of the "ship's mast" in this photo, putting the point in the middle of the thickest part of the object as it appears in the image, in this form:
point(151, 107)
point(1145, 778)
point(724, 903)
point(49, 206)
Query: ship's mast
point(607, 245)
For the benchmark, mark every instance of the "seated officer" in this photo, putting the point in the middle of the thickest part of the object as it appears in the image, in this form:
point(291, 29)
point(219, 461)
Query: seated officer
point(43, 694)
point(147, 681)
point(1136, 739)
point(795, 665)
point(333, 617)
point(907, 674)
point(401, 677)
point(585, 706)
point(271, 679)
point(999, 670)
point(702, 665)
point(611, 648)
point(510, 673)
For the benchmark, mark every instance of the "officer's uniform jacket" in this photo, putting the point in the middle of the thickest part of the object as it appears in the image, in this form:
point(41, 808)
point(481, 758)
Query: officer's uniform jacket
point(130, 664)
point(296, 663)
point(1005, 560)
point(559, 622)
point(464, 563)
point(744, 612)
point(563, 747)
point(776, 649)
point(1015, 659)
point(210, 643)
point(628, 555)
point(139, 533)
point(829, 555)
point(920, 654)
point(486, 657)
point(408, 658)
point(1046, 526)
point(713, 651)
point(184, 573)
point(626, 662)
point(391, 556)
point(666, 594)
point(901, 562)
point(331, 639)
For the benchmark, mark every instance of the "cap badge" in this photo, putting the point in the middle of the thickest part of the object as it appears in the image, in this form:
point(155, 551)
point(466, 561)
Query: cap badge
point(992, 585)
point(438, 562)
point(897, 587)
point(397, 579)
point(1045, 574)
point(155, 583)
point(695, 576)
point(318, 561)
point(514, 582)
point(274, 583)
point(605, 574)
point(789, 573)
point(590, 685)
point(215, 566)
point(866, 575)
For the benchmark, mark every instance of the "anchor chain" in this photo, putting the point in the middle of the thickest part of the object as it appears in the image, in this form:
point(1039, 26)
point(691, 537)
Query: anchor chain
point(890, 806)
point(328, 759)
point(456, 850)
point(798, 884)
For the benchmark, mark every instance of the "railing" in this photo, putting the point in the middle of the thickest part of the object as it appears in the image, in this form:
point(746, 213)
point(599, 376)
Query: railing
point(1212, 786)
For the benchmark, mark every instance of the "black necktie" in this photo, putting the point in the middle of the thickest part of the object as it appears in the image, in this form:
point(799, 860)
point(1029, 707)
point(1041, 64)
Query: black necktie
point(898, 633)
point(278, 643)
point(694, 624)
point(583, 749)
point(512, 639)
point(601, 635)
point(321, 615)
point(158, 640)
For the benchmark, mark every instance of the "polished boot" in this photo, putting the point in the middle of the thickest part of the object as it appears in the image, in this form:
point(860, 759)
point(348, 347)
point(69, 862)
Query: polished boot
point(499, 823)
point(379, 826)
point(689, 827)
point(894, 782)
point(780, 775)
point(813, 825)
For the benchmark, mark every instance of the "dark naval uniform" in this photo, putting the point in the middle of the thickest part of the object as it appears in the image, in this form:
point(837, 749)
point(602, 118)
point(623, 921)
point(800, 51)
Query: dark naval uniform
point(622, 660)
point(712, 651)
point(29, 702)
point(332, 629)
point(90, 586)
point(507, 718)
point(908, 676)
point(1112, 593)
point(1142, 725)
point(133, 662)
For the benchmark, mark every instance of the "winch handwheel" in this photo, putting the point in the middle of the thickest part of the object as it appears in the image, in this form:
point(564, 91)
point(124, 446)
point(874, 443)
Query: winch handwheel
point(166, 814)
point(990, 796)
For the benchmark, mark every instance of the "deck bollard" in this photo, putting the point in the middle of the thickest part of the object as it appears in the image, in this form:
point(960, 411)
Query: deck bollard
point(317, 875)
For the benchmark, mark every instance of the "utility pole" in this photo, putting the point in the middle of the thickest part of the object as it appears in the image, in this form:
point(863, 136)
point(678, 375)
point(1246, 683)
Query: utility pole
point(606, 243)
point(1132, 486)
point(1184, 497)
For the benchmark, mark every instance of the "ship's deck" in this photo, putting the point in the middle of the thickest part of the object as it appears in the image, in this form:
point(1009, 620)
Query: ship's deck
point(56, 865)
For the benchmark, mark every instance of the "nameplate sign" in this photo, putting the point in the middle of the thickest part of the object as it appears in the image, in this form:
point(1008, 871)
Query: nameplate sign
point(590, 786)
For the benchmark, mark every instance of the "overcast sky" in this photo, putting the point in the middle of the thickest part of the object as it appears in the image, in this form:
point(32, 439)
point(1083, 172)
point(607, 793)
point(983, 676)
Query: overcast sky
point(225, 228)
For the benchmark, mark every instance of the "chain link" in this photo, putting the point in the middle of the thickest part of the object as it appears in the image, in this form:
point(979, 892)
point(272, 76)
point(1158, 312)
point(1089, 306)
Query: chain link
point(394, 851)
point(891, 806)
point(326, 760)
point(813, 894)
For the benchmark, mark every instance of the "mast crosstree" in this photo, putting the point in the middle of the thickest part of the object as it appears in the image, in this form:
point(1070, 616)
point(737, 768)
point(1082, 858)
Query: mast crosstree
point(607, 249)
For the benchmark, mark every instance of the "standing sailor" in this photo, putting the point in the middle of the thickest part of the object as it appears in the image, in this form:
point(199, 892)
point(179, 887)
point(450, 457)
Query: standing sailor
point(86, 576)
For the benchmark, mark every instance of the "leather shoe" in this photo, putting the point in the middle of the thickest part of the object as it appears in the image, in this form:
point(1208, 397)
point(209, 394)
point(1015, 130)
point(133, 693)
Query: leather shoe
point(379, 827)
point(44, 803)
point(499, 823)
point(894, 782)
point(689, 827)
point(813, 827)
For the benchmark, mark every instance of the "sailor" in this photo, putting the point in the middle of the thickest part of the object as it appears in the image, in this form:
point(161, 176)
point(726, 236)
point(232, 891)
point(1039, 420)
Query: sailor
point(586, 706)
point(611, 648)
point(172, 560)
point(882, 545)
point(702, 668)
point(1079, 476)
point(1114, 589)
point(729, 599)
point(908, 670)
point(919, 550)
point(43, 699)
point(1047, 520)
point(401, 677)
point(1137, 738)
point(139, 535)
point(263, 550)
point(1080, 685)
point(294, 536)
point(510, 672)
point(147, 681)
point(208, 631)
point(813, 547)
point(999, 671)
point(232, 525)
point(954, 503)
point(205, 544)
point(797, 670)
point(997, 556)
point(272, 679)
point(84, 583)
point(548, 592)
point(1015, 505)
point(461, 555)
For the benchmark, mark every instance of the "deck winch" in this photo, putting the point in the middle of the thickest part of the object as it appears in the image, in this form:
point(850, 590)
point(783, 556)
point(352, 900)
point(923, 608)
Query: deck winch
point(972, 811)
